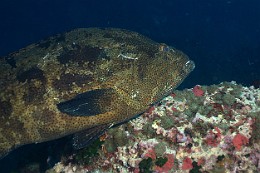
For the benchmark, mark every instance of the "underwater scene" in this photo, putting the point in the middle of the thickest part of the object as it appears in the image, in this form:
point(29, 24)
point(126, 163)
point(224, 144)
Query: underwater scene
point(159, 86)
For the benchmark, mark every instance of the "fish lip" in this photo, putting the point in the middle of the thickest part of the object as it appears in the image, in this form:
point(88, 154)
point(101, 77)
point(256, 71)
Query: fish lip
point(189, 66)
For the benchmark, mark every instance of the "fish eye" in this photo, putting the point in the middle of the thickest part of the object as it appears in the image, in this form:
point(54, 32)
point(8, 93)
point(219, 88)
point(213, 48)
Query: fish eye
point(164, 48)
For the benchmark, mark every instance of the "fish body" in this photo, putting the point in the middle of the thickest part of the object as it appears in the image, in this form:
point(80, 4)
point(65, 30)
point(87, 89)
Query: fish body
point(82, 79)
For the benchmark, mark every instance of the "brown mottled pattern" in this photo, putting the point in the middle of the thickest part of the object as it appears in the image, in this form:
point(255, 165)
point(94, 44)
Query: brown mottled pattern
point(137, 71)
point(5, 109)
point(67, 80)
point(80, 55)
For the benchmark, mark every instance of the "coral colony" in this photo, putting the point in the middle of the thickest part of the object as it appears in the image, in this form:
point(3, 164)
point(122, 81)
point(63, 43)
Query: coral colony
point(204, 129)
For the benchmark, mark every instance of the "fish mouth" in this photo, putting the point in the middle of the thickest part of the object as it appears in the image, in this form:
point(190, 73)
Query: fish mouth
point(189, 66)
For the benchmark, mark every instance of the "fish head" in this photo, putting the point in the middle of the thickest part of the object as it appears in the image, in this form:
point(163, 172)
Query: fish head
point(157, 75)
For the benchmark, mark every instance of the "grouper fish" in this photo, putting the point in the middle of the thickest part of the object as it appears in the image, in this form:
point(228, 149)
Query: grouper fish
point(83, 82)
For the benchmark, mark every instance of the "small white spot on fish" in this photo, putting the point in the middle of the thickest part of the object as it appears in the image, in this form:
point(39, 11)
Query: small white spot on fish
point(126, 57)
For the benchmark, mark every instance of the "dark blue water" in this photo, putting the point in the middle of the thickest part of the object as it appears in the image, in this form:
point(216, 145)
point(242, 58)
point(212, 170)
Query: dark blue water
point(221, 36)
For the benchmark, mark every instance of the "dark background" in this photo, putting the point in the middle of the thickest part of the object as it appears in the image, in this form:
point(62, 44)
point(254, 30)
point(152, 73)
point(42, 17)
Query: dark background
point(221, 36)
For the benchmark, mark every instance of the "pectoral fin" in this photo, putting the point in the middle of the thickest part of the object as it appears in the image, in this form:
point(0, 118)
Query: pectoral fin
point(90, 103)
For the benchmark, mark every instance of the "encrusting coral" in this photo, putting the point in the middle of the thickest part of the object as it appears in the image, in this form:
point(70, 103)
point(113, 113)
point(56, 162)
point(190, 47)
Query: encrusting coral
point(207, 128)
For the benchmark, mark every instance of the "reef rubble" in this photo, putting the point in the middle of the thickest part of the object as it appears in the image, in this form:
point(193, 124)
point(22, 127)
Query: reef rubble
point(203, 129)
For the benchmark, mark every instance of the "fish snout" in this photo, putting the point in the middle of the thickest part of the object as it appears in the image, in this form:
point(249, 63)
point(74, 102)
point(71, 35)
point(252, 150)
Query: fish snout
point(189, 66)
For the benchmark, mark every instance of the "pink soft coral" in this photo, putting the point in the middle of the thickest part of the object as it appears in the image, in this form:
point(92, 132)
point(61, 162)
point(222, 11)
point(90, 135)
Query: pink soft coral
point(197, 91)
point(239, 140)
point(150, 153)
point(187, 164)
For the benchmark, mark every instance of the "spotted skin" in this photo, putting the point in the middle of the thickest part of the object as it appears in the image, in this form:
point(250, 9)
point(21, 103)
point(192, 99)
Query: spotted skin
point(137, 71)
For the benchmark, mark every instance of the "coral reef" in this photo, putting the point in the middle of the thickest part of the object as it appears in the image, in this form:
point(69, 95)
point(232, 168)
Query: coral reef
point(203, 129)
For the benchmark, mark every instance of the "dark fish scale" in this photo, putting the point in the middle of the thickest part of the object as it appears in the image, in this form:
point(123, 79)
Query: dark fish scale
point(10, 60)
point(66, 81)
point(5, 109)
point(34, 94)
point(80, 55)
point(32, 73)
